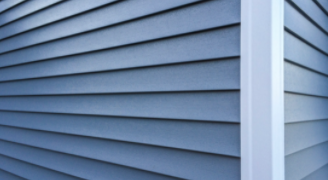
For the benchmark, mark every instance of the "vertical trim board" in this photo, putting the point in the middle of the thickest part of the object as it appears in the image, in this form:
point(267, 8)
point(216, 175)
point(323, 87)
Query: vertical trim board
point(262, 99)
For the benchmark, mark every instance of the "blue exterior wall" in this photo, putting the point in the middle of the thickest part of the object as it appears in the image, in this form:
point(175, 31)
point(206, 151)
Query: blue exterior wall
point(306, 85)
point(106, 89)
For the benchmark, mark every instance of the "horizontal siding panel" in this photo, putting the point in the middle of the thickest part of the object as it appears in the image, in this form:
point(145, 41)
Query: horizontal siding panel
point(217, 138)
point(302, 80)
point(301, 53)
point(306, 83)
point(303, 135)
point(77, 166)
point(8, 176)
point(321, 173)
point(24, 9)
point(311, 9)
point(177, 163)
point(5, 5)
point(163, 25)
point(122, 90)
point(172, 50)
point(307, 161)
point(208, 75)
point(30, 171)
point(60, 11)
point(323, 4)
point(296, 22)
point(305, 108)
point(210, 106)
point(114, 14)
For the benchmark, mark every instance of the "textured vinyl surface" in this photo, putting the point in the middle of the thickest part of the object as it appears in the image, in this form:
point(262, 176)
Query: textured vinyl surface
point(120, 90)
point(25, 9)
point(178, 77)
point(311, 133)
point(296, 77)
point(306, 84)
point(83, 168)
point(163, 25)
point(307, 161)
point(217, 138)
point(323, 4)
point(55, 13)
point(296, 22)
point(202, 106)
point(160, 160)
point(31, 171)
point(6, 5)
point(313, 11)
point(153, 53)
point(305, 108)
point(108, 15)
point(321, 173)
point(9, 176)
point(304, 55)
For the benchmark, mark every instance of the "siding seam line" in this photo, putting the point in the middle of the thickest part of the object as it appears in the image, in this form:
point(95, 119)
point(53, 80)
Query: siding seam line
point(102, 27)
point(307, 148)
point(92, 159)
point(231, 58)
point(116, 140)
point(315, 171)
point(41, 167)
point(79, 13)
point(9, 22)
point(11, 7)
point(304, 41)
point(306, 16)
point(13, 174)
point(131, 44)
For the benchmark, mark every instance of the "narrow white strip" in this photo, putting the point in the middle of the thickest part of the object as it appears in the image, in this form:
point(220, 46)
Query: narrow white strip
point(262, 91)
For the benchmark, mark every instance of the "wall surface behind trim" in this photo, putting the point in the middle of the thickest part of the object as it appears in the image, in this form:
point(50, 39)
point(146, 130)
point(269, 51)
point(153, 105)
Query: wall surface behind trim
point(106, 89)
point(306, 89)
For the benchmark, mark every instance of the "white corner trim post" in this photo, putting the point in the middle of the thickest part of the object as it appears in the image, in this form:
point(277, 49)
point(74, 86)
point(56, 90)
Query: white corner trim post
point(262, 90)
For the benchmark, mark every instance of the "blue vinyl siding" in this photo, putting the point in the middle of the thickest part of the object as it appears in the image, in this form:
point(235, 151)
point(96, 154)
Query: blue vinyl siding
point(30, 171)
point(108, 89)
point(7, 5)
point(323, 4)
point(9, 176)
point(24, 9)
point(321, 173)
point(306, 95)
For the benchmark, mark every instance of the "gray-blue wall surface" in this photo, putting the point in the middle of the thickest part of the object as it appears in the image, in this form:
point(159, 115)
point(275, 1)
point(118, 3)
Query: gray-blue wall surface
point(306, 89)
point(120, 90)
